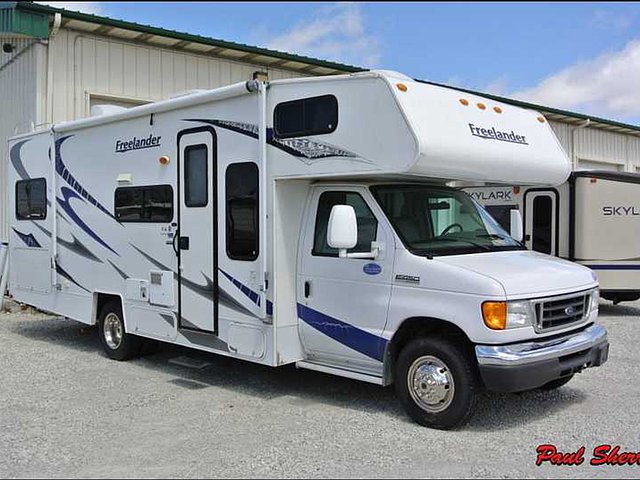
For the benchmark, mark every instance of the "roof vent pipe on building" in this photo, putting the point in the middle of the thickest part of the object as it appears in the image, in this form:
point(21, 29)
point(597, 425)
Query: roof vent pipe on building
point(574, 156)
point(57, 21)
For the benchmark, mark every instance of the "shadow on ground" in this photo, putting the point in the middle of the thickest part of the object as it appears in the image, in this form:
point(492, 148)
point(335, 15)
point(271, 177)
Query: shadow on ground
point(620, 310)
point(298, 387)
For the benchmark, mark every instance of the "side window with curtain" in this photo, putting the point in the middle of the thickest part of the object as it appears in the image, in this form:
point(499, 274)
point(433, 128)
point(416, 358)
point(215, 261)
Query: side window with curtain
point(31, 199)
point(367, 223)
point(241, 187)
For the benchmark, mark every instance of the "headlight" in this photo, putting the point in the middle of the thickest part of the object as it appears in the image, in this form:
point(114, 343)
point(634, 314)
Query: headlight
point(503, 315)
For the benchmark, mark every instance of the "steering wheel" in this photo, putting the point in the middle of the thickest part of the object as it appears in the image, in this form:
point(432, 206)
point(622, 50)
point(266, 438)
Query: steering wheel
point(446, 230)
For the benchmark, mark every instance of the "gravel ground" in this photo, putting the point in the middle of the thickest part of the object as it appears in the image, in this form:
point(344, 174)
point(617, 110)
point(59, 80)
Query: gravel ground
point(68, 411)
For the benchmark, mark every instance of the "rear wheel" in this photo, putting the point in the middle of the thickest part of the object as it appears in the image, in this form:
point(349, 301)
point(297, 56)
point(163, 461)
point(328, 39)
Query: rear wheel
point(116, 342)
point(436, 382)
point(557, 383)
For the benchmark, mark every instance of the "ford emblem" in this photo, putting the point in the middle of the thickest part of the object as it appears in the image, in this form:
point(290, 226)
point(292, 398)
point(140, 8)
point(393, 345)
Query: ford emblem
point(570, 311)
point(372, 269)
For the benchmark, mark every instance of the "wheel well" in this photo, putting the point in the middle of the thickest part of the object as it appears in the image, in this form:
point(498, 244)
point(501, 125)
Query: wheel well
point(100, 300)
point(417, 327)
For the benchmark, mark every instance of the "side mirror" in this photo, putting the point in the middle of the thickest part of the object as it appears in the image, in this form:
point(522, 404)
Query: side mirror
point(516, 232)
point(342, 232)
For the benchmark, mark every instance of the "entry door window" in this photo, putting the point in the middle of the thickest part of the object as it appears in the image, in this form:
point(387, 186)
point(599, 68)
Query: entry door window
point(196, 179)
point(541, 236)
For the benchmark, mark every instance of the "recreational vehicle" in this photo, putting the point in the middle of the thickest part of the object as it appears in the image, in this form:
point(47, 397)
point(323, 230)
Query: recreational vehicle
point(308, 222)
point(592, 218)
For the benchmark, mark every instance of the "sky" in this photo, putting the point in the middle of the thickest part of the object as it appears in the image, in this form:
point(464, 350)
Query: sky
point(583, 57)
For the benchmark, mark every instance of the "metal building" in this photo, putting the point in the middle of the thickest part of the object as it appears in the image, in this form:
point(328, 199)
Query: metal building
point(56, 64)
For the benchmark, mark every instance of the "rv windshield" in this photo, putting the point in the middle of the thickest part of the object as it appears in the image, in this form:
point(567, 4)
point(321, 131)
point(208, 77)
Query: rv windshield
point(441, 221)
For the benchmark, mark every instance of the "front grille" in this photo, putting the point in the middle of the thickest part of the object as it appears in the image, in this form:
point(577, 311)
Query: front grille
point(558, 312)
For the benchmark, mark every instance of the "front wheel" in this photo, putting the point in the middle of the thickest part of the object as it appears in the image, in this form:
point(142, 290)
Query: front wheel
point(436, 382)
point(117, 343)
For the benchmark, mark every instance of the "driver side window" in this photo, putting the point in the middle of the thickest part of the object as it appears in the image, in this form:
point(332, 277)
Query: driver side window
point(367, 223)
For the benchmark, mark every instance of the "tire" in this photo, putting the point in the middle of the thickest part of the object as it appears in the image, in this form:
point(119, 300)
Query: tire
point(116, 343)
point(454, 399)
point(557, 383)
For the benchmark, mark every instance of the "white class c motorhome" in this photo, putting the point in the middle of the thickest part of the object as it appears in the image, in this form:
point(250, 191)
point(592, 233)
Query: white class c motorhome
point(592, 219)
point(307, 221)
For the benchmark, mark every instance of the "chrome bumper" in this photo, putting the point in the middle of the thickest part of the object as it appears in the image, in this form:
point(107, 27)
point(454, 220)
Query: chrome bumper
point(539, 351)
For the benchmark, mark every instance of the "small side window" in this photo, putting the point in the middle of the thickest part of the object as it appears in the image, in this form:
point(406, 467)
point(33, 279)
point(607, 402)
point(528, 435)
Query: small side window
point(367, 222)
point(241, 186)
point(153, 203)
point(307, 116)
point(196, 185)
point(31, 199)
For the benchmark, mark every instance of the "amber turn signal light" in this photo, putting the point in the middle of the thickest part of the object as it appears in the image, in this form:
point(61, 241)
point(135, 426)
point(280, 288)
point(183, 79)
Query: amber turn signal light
point(494, 315)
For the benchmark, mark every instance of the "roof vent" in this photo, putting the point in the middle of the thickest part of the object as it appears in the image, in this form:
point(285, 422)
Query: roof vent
point(100, 110)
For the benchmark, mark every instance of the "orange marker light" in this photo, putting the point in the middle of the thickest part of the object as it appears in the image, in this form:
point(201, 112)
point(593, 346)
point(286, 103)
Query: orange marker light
point(464, 101)
point(594, 179)
point(481, 106)
point(541, 119)
point(516, 190)
point(497, 109)
point(402, 87)
point(494, 315)
point(164, 160)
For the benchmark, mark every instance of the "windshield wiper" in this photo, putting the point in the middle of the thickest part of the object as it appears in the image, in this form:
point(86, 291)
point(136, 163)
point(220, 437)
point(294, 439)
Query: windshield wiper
point(499, 237)
point(494, 236)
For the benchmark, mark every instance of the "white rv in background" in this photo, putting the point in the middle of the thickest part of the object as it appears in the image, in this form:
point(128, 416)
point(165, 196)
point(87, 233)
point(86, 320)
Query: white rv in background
point(307, 221)
point(593, 219)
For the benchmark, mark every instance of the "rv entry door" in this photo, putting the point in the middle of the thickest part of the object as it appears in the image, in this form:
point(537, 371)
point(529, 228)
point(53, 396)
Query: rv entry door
point(196, 239)
point(541, 221)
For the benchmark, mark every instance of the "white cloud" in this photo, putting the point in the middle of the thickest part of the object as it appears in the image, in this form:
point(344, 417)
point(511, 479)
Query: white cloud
point(608, 85)
point(497, 87)
point(334, 33)
point(84, 7)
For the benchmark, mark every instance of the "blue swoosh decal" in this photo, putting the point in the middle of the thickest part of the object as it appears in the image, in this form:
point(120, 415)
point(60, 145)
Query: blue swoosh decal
point(16, 160)
point(68, 194)
point(359, 340)
point(301, 147)
point(253, 296)
point(28, 239)
point(64, 172)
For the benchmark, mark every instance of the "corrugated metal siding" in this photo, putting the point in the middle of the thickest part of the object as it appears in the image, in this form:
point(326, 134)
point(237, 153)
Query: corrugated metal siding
point(20, 85)
point(563, 132)
point(87, 64)
point(594, 146)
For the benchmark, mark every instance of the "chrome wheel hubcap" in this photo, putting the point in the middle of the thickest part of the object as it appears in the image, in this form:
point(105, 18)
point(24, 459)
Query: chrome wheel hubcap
point(431, 384)
point(113, 331)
